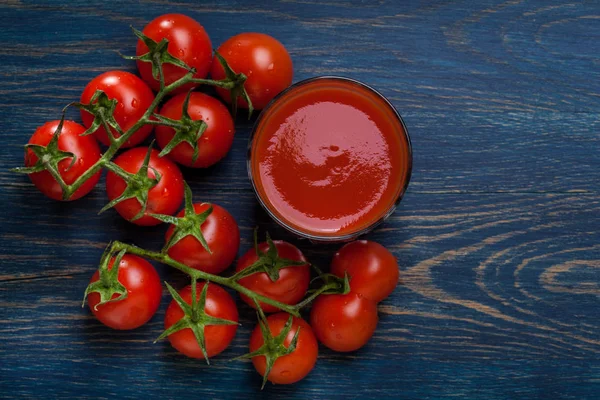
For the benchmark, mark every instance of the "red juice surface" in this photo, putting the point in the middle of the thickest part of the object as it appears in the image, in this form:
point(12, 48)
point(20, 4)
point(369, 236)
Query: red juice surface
point(330, 157)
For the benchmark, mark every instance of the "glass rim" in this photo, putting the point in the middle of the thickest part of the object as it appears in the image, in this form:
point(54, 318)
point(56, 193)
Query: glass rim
point(346, 236)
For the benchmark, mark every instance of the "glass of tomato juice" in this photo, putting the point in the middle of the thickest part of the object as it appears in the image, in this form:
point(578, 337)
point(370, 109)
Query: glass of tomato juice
point(329, 159)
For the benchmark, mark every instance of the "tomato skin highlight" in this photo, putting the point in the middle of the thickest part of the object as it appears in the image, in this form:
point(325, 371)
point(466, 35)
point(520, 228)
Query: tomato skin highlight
point(188, 41)
point(265, 62)
point(134, 98)
point(164, 198)
point(216, 140)
point(343, 322)
point(86, 151)
point(372, 269)
point(294, 366)
point(219, 304)
point(293, 281)
point(222, 235)
point(143, 295)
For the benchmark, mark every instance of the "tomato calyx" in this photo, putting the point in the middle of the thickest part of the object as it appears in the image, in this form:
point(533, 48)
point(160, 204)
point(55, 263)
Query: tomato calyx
point(195, 318)
point(157, 55)
point(236, 87)
point(138, 184)
point(102, 108)
point(273, 346)
point(268, 262)
point(188, 225)
point(332, 284)
point(186, 130)
point(48, 158)
point(108, 283)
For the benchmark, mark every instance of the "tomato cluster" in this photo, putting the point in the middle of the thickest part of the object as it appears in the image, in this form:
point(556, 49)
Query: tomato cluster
point(146, 186)
point(342, 322)
point(263, 62)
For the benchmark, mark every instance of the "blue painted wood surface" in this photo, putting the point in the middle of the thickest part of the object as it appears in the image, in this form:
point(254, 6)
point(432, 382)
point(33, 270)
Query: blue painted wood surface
point(497, 237)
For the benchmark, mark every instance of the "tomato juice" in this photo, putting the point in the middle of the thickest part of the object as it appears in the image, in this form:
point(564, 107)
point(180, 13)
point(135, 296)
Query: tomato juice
point(330, 158)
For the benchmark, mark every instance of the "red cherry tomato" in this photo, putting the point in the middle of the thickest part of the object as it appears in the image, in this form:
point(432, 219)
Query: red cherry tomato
point(164, 198)
point(343, 322)
point(216, 140)
point(143, 295)
point(372, 269)
point(188, 41)
point(222, 235)
point(265, 62)
point(134, 98)
point(292, 367)
point(86, 151)
point(219, 304)
point(293, 281)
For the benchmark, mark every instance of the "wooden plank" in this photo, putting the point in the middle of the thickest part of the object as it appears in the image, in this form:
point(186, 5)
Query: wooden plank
point(492, 284)
point(497, 237)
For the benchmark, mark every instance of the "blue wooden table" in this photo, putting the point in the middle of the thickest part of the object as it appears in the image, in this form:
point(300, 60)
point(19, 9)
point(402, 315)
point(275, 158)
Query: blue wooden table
point(497, 237)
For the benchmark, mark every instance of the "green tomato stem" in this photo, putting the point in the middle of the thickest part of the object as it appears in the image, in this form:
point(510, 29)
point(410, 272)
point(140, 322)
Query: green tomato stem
point(314, 295)
point(197, 274)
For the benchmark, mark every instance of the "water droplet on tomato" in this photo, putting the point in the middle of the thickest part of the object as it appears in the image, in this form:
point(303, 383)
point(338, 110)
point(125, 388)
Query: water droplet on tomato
point(270, 67)
point(134, 103)
point(180, 52)
point(285, 373)
point(229, 53)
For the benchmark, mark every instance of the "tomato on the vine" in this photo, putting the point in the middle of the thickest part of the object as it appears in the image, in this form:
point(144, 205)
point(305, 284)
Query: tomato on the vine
point(188, 41)
point(222, 235)
point(292, 367)
point(86, 152)
point(164, 198)
point(291, 285)
point(143, 295)
point(216, 140)
point(133, 97)
point(265, 62)
point(219, 304)
point(372, 269)
point(343, 322)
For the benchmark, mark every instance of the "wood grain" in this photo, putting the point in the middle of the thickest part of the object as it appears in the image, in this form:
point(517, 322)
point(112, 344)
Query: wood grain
point(497, 237)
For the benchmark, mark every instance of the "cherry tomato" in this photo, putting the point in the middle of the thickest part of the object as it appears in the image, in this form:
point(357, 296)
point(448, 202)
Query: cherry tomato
point(219, 304)
point(222, 235)
point(188, 41)
point(293, 281)
point(343, 322)
point(216, 140)
point(292, 367)
point(134, 98)
point(86, 151)
point(164, 198)
point(265, 62)
point(143, 295)
point(372, 269)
